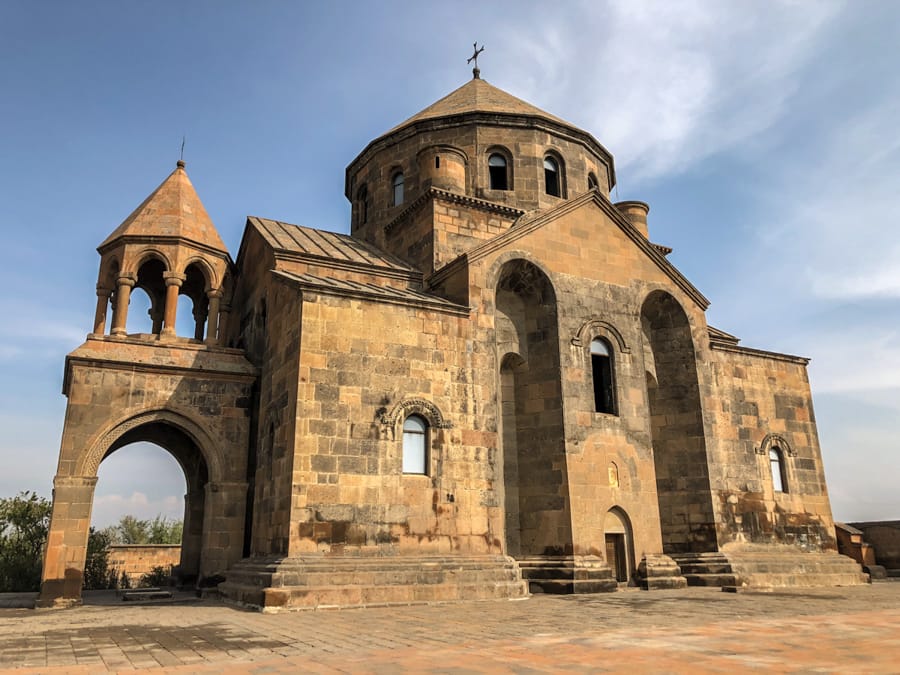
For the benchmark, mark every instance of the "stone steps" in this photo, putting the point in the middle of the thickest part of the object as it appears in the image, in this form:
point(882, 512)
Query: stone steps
point(770, 568)
point(706, 569)
point(564, 575)
point(318, 582)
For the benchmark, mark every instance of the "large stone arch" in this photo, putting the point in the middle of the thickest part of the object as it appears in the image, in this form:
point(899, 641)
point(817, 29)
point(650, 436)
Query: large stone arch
point(680, 458)
point(108, 440)
point(213, 529)
point(538, 518)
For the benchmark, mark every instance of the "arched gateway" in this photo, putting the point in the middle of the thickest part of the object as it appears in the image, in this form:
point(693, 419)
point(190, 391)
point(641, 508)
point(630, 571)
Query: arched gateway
point(187, 394)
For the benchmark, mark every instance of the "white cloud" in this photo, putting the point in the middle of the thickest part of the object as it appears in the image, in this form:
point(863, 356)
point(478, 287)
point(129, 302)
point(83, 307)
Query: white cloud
point(666, 84)
point(848, 359)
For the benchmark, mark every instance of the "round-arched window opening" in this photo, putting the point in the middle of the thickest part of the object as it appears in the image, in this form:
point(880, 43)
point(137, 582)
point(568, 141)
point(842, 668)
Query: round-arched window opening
point(397, 189)
point(362, 206)
point(415, 445)
point(552, 184)
point(776, 464)
point(602, 373)
point(498, 172)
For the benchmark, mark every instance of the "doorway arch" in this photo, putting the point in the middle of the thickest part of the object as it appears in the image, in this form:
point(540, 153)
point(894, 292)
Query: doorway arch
point(214, 509)
point(619, 542)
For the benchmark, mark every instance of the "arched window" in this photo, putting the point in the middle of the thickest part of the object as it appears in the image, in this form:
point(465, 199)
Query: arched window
point(776, 463)
point(415, 445)
point(498, 173)
point(362, 205)
point(601, 369)
point(397, 189)
point(592, 181)
point(552, 183)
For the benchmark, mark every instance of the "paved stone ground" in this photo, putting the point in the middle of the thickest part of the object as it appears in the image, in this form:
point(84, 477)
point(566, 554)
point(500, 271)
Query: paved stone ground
point(695, 630)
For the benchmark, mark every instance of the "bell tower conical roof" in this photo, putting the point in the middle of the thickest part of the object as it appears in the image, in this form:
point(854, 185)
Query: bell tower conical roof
point(173, 210)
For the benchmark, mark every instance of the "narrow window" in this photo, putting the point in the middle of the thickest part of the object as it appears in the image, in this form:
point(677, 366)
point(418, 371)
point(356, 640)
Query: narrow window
point(592, 181)
point(497, 169)
point(601, 369)
point(551, 177)
point(437, 161)
point(362, 199)
point(415, 444)
point(776, 463)
point(397, 189)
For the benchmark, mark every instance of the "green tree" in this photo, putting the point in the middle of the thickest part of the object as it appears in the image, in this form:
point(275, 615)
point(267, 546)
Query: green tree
point(24, 521)
point(96, 565)
point(165, 531)
point(131, 530)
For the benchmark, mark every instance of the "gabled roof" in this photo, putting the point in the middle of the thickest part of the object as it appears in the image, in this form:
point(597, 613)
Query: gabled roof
point(538, 219)
point(172, 210)
point(329, 248)
point(378, 293)
point(477, 95)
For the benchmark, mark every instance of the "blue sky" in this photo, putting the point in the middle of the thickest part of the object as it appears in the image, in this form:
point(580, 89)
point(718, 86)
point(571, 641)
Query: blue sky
point(764, 135)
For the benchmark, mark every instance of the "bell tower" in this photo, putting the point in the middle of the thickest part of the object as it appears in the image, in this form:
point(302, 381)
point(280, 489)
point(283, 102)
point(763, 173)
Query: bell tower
point(188, 394)
point(167, 247)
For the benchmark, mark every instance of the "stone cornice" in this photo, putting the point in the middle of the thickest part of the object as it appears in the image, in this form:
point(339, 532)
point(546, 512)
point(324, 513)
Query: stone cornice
point(476, 118)
point(438, 194)
point(760, 353)
point(137, 240)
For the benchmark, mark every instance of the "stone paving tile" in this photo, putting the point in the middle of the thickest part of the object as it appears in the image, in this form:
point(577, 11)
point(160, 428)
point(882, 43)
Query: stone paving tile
point(694, 630)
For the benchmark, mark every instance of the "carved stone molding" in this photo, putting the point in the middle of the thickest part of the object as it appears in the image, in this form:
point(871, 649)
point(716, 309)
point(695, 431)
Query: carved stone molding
point(776, 440)
point(89, 462)
point(594, 327)
point(416, 406)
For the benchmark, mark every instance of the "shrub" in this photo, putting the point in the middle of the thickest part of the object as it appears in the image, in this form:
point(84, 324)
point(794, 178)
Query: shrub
point(157, 576)
point(24, 521)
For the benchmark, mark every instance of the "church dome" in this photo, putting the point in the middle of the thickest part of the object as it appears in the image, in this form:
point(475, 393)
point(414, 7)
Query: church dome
point(481, 142)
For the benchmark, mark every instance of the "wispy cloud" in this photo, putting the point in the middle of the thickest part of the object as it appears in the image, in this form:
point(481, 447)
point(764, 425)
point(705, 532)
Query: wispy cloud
point(666, 84)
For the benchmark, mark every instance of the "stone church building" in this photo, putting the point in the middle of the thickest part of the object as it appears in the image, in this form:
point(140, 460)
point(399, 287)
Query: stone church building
point(495, 384)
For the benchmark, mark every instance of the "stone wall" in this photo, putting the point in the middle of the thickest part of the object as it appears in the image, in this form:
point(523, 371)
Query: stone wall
point(884, 535)
point(763, 401)
point(526, 147)
point(136, 560)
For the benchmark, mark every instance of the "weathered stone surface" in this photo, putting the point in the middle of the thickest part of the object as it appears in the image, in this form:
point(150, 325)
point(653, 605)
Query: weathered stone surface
point(467, 304)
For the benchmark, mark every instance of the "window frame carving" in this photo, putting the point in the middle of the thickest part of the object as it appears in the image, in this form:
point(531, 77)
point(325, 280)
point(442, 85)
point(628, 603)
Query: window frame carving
point(415, 406)
point(774, 439)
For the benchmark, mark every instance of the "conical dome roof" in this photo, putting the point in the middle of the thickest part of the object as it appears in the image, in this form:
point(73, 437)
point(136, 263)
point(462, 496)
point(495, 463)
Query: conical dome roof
point(477, 95)
point(172, 210)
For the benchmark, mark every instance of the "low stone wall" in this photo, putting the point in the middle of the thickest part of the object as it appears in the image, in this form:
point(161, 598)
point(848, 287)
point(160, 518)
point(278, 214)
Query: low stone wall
point(136, 560)
point(884, 535)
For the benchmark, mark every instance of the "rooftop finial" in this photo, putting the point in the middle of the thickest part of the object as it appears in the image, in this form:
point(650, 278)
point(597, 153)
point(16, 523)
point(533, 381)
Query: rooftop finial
point(476, 73)
point(180, 162)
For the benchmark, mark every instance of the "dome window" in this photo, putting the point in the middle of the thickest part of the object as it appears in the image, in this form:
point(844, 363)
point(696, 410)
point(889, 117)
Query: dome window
point(397, 189)
point(498, 173)
point(552, 182)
